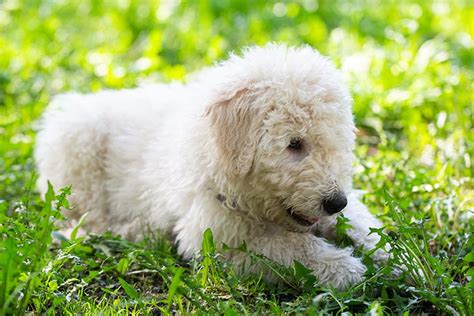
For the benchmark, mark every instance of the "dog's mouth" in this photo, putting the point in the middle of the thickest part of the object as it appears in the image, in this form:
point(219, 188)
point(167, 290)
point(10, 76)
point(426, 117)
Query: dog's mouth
point(301, 219)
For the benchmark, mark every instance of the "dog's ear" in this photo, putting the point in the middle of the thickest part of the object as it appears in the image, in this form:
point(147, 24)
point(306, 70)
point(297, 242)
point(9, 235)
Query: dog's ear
point(235, 118)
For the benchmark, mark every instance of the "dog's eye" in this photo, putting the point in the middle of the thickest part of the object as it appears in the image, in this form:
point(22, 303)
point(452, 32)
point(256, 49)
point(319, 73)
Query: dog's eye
point(296, 144)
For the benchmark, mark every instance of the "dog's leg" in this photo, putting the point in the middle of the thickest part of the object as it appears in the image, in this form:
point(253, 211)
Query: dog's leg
point(361, 221)
point(331, 265)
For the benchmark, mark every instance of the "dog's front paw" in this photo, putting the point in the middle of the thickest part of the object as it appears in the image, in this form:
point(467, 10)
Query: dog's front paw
point(342, 273)
point(380, 257)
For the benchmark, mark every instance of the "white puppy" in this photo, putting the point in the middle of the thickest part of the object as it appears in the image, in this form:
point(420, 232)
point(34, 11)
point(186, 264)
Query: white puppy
point(258, 148)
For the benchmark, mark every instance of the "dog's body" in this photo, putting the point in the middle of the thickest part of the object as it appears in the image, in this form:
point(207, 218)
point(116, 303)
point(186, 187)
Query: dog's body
point(259, 149)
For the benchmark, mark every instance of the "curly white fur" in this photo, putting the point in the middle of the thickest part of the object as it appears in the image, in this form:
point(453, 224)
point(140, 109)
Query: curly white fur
point(213, 153)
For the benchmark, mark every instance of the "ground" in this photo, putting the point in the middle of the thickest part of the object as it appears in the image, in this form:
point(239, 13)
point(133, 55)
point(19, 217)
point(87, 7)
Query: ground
point(409, 65)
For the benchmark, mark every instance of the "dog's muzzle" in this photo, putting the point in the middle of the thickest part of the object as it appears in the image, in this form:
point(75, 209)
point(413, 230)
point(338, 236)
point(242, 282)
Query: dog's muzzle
point(301, 219)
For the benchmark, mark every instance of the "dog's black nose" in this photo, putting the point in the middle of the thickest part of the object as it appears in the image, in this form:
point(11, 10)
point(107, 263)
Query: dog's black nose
point(335, 203)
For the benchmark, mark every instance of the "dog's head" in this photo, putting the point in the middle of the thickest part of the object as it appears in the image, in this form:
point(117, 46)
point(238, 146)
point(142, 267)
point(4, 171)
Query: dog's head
point(284, 134)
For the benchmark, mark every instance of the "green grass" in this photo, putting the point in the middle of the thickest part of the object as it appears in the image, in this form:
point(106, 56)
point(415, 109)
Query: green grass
point(409, 65)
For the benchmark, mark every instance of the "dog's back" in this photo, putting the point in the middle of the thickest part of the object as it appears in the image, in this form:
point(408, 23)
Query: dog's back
point(96, 143)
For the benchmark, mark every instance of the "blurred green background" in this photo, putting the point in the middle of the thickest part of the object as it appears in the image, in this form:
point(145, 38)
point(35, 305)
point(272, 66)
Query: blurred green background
point(409, 64)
